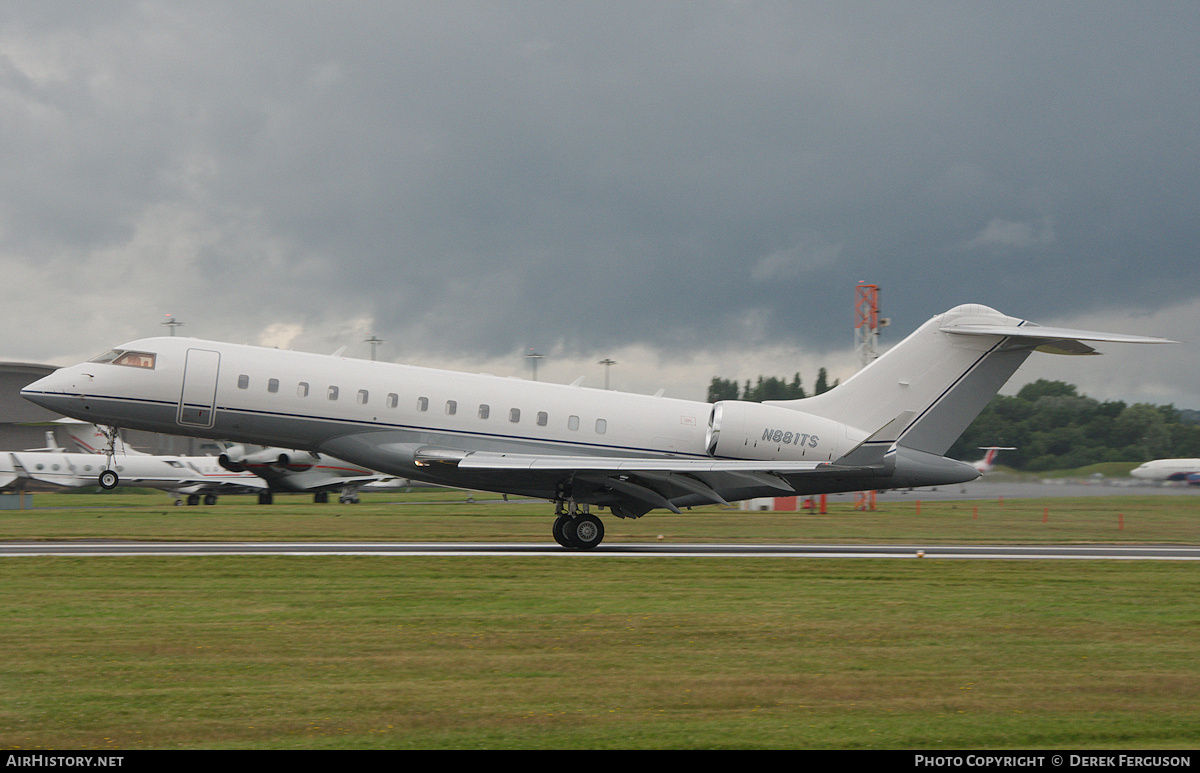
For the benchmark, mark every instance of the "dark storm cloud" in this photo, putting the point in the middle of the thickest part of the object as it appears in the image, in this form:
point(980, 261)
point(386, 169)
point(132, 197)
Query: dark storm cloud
point(481, 177)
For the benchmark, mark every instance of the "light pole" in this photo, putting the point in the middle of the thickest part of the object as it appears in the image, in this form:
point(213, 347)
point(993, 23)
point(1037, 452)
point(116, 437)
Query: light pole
point(373, 341)
point(606, 362)
point(533, 358)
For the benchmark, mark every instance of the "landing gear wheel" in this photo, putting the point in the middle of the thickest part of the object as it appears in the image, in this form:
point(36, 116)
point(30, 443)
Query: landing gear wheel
point(108, 479)
point(584, 531)
point(560, 524)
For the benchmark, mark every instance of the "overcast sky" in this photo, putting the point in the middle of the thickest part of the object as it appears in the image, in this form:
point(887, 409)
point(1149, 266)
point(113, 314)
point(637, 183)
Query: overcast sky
point(690, 188)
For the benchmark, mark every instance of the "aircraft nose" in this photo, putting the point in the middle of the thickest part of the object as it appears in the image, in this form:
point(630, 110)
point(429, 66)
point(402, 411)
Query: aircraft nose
point(55, 391)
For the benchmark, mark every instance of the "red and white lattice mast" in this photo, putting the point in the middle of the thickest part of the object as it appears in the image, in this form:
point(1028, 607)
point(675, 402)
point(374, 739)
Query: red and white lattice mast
point(867, 322)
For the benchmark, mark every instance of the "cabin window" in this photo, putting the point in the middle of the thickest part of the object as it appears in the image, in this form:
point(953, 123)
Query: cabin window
point(332, 393)
point(484, 411)
point(243, 381)
point(451, 407)
point(514, 415)
point(361, 399)
point(302, 389)
point(543, 418)
point(572, 422)
point(422, 403)
point(601, 426)
point(393, 400)
point(273, 385)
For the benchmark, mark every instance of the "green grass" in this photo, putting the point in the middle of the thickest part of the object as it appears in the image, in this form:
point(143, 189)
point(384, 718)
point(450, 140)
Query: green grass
point(427, 652)
point(412, 517)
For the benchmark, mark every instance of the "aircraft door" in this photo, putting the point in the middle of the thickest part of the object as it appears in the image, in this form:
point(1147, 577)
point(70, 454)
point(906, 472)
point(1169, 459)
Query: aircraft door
point(199, 396)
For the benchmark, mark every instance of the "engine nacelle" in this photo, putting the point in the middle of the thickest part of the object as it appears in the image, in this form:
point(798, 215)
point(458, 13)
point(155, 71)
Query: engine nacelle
point(238, 459)
point(743, 430)
point(233, 459)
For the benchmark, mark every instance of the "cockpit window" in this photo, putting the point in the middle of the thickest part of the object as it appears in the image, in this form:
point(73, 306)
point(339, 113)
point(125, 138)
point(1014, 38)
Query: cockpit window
point(136, 360)
point(108, 356)
point(128, 359)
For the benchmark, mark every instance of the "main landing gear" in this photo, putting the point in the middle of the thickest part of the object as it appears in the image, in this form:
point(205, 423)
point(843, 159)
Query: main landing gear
point(575, 528)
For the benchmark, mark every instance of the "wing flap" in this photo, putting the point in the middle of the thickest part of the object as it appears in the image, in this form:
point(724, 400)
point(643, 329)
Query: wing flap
point(484, 460)
point(621, 465)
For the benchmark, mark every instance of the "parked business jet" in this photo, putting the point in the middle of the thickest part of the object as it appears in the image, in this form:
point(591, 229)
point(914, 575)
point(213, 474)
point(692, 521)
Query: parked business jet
point(1169, 470)
point(283, 470)
point(288, 470)
point(186, 477)
point(887, 426)
point(988, 461)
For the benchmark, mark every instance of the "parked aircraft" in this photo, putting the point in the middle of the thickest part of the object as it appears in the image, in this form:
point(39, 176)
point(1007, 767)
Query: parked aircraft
point(887, 426)
point(988, 461)
point(193, 478)
point(1169, 469)
point(288, 470)
point(283, 470)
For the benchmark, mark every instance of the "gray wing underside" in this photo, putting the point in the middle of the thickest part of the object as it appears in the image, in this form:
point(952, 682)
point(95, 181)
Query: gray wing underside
point(653, 481)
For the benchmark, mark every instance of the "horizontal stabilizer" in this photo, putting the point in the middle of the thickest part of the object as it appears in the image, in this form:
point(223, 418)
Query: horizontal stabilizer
point(1051, 340)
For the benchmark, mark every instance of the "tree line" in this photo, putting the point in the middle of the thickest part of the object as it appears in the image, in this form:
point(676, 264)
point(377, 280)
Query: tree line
point(767, 388)
point(1053, 427)
point(1048, 423)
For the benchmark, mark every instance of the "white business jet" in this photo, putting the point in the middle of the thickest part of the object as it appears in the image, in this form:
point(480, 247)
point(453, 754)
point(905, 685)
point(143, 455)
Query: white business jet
point(1169, 470)
point(281, 469)
point(887, 426)
point(193, 478)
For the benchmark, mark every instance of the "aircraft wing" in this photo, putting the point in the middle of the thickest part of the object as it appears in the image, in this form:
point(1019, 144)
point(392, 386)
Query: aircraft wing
point(195, 484)
point(328, 482)
point(202, 486)
point(650, 481)
point(481, 460)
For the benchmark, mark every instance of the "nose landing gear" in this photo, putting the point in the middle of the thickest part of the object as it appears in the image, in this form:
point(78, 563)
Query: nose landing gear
point(108, 479)
point(575, 528)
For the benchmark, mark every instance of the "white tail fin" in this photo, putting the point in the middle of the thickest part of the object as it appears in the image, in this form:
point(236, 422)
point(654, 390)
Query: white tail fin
point(944, 374)
point(989, 459)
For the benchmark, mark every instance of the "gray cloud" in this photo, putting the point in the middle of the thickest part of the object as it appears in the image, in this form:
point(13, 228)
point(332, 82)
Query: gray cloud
point(470, 179)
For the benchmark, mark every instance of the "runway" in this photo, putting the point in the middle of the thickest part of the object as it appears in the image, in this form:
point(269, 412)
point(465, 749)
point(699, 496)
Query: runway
point(101, 548)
